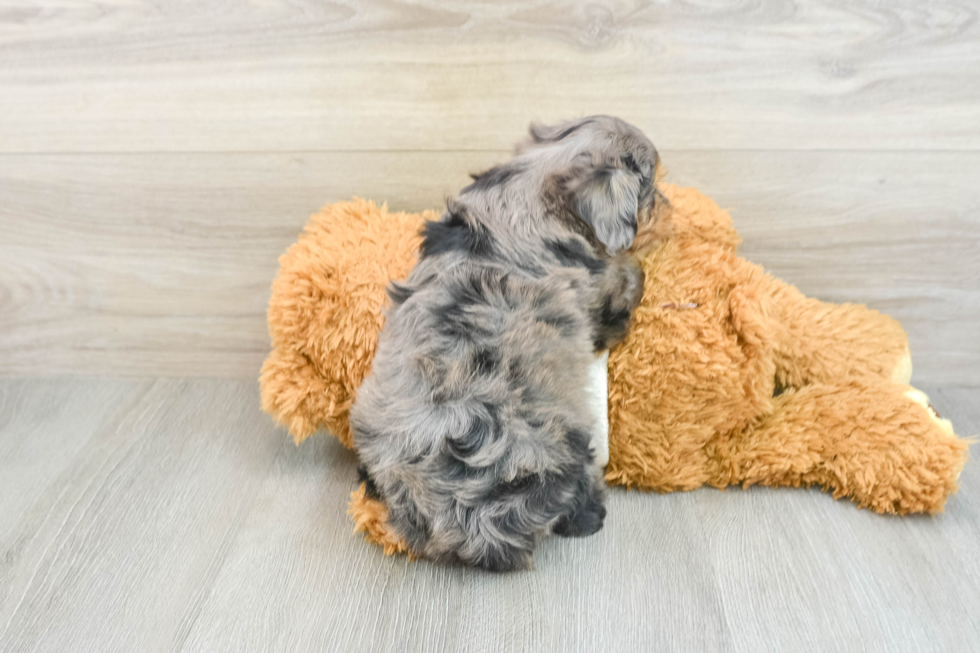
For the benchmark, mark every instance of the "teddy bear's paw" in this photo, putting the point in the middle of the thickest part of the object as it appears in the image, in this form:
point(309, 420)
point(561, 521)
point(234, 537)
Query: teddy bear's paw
point(922, 399)
point(903, 369)
point(944, 424)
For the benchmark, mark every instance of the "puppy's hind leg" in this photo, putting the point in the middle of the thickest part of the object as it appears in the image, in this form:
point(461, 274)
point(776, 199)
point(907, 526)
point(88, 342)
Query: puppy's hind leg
point(586, 515)
point(508, 558)
point(498, 546)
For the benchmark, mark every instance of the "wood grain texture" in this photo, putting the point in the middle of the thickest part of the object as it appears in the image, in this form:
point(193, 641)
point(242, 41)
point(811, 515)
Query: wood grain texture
point(299, 75)
point(171, 516)
point(119, 502)
point(149, 264)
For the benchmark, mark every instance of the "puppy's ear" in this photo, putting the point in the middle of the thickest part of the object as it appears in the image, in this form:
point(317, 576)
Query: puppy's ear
point(551, 133)
point(540, 133)
point(607, 199)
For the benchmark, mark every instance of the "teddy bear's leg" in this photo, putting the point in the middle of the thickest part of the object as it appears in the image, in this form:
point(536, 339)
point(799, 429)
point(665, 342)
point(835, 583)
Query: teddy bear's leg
point(822, 342)
point(864, 439)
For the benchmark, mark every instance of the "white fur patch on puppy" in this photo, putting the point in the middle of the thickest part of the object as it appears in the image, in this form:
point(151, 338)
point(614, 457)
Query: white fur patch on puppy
point(597, 391)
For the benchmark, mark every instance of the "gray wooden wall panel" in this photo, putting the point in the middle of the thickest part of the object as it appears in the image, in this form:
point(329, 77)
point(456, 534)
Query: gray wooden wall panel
point(395, 75)
point(161, 263)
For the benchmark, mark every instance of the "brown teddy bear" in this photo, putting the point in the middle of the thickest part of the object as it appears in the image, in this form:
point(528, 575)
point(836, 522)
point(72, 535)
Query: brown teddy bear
point(728, 375)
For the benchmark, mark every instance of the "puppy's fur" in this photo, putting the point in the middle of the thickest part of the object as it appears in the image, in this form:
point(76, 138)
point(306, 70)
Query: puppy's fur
point(472, 426)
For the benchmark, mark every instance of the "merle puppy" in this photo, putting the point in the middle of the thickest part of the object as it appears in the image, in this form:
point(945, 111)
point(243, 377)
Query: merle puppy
point(473, 426)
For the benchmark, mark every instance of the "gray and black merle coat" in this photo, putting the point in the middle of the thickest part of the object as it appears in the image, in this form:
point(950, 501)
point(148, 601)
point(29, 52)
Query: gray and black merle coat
point(473, 425)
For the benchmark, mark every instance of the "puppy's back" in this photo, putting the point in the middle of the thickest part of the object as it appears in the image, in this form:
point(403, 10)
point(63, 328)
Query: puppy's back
point(473, 421)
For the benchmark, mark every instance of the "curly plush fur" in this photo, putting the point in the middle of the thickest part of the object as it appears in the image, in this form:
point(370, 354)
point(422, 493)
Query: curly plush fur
point(473, 426)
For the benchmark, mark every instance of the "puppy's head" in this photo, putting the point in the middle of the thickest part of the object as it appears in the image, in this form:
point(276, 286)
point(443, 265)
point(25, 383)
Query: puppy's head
point(602, 172)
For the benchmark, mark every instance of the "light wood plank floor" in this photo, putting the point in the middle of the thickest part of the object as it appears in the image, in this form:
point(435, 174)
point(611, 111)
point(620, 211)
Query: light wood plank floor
point(169, 515)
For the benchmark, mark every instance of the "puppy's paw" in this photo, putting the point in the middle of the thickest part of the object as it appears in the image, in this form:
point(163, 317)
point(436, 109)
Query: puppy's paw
point(586, 520)
point(506, 559)
point(620, 292)
point(632, 283)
